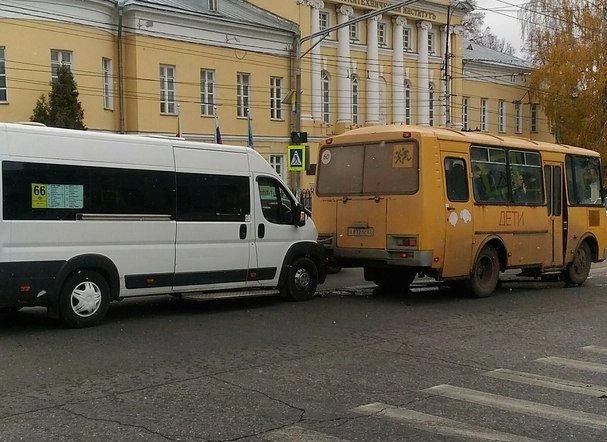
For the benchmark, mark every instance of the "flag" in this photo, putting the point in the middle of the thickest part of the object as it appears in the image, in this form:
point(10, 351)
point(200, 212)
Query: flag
point(217, 131)
point(179, 134)
point(250, 139)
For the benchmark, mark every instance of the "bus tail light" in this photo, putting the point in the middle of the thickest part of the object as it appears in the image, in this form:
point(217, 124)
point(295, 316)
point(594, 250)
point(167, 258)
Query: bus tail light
point(402, 242)
point(406, 134)
point(407, 255)
point(329, 141)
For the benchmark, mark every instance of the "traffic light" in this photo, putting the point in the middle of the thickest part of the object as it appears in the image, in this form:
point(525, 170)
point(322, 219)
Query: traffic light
point(299, 137)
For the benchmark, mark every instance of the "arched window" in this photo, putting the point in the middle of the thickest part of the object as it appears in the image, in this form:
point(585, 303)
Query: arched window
point(408, 103)
point(383, 101)
point(355, 106)
point(431, 104)
point(326, 96)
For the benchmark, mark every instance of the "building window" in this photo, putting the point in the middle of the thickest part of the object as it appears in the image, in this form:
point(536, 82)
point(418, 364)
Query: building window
point(431, 104)
point(355, 106)
point(534, 117)
point(277, 163)
point(326, 97)
point(213, 5)
point(323, 21)
point(3, 91)
point(381, 34)
point(58, 58)
point(207, 92)
point(408, 103)
point(108, 84)
point(167, 89)
point(354, 32)
point(276, 98)
point(242, 93)
point(431, 43)
point(484, 112)
point(466, 113)
point(518, 118)
point(407, 41)
point(501, 116)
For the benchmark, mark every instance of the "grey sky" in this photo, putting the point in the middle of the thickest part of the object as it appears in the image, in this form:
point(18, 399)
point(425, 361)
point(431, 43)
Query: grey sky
point(501, 17)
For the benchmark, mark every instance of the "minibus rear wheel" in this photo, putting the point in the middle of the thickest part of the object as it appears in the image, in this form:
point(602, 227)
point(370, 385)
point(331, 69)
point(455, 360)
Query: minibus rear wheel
point(485, 274)
point(84, 299)
point(302, 280)
point(577, 272)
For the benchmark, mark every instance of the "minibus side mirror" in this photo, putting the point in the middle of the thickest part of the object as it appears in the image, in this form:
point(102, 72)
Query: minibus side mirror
point(299, 216)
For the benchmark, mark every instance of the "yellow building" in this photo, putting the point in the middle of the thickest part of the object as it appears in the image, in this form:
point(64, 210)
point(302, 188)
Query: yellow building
point(160, 66)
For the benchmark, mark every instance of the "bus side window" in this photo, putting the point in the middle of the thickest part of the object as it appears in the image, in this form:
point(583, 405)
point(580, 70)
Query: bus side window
point(457, 184)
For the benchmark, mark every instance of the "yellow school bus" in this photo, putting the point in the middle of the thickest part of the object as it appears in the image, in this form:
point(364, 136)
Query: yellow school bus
point(458, 206)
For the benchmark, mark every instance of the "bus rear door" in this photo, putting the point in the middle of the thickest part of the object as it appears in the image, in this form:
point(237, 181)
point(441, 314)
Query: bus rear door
point(459, 227)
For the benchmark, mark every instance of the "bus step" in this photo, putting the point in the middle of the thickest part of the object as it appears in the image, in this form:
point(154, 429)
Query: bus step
point(202, 296)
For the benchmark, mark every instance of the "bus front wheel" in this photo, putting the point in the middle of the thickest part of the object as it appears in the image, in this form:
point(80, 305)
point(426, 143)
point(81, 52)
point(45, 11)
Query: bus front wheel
point(485, 274)
point(84, 300)
point(577, 271)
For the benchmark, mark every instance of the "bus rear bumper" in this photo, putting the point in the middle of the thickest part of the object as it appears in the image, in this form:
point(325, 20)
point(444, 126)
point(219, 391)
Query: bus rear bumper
point(359, 258)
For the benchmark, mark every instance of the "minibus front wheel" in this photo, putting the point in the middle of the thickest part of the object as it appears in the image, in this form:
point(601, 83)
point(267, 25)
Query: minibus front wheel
point(302, 279)
point(84, 299)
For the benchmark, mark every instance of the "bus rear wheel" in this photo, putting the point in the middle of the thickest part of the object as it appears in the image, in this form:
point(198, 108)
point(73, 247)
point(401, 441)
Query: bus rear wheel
point(84, 299)
point(485, 274)
point(577, 272)
point(392, 279)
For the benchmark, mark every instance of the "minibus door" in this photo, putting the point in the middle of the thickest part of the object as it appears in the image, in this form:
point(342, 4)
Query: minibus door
point(459, 225)
point(553, 180)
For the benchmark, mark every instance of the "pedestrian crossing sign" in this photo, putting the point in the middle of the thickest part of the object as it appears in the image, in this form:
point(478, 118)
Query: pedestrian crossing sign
point(297, 157)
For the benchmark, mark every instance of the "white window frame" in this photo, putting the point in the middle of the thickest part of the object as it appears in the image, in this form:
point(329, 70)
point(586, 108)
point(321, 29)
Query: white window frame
point(207, 92)
point(3, 85)
point(167, 90)
point(518, 118)
point(382, 35)
point(278, 164)
point(355, 90)
point(408, 102)
point(534, 117)
point(325, 82)
point(324, 21)
point(408, 39)
point(243, 93)
point(354, 31)
point(276, 98)
point(213, 5)
point(60, 57)
point(431, 43)
point(466, 113)
point(501, 116)
point(108, 83)
point(484, 113)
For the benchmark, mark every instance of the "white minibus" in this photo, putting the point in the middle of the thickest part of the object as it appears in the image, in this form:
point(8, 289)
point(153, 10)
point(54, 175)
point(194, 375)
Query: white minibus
point(88, 218)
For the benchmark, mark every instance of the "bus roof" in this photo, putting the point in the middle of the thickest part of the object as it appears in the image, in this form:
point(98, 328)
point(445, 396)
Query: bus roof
point(392, 131)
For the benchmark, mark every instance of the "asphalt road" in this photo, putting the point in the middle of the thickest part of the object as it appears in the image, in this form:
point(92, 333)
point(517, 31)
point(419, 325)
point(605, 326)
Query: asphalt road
point(529, 363)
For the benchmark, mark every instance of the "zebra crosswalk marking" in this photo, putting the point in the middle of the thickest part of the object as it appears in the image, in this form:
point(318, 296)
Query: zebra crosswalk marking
point(438, 425)
point(595, 349)
point(549, 382)
point(573, 363)
point(520, 406)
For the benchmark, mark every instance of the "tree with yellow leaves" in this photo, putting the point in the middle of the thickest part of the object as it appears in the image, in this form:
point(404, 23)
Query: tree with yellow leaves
point(567, 41)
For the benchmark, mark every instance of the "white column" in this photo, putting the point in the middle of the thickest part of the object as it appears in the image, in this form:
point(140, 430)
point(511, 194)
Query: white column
point(344, 102)
point(423, 111)
point(398, 71)
point(372, 71)
point(453, 90)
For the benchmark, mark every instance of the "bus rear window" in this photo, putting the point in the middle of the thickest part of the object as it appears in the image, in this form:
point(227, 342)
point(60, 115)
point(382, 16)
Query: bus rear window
point(373, 169)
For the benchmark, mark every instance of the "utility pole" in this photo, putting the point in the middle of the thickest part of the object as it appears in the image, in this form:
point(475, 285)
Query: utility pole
point(447, 76)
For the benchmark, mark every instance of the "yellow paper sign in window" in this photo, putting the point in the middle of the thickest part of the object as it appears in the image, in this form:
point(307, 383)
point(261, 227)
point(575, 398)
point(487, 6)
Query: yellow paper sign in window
point(402, 156)
point(38, 196)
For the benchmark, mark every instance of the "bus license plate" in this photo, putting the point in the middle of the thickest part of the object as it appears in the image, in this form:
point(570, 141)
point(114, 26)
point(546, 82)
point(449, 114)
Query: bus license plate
point(360, 231)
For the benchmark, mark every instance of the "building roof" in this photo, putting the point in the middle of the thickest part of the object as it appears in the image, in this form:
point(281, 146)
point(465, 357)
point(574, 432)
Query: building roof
point(473, 52)
point(234, 10)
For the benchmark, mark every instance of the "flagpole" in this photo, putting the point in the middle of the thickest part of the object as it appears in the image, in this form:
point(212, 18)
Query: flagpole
point(250, 137)
point(179, 134)
point(218, 139)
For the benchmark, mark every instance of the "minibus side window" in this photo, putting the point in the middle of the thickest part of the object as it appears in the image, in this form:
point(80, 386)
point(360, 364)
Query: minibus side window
point(276, 205)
